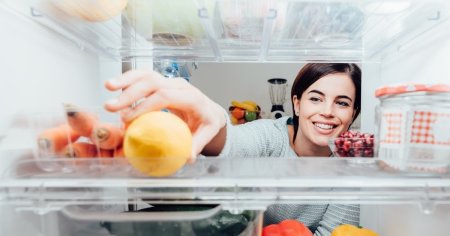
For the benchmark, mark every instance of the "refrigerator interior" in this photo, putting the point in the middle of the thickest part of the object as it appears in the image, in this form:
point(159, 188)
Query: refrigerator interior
point(50, 57)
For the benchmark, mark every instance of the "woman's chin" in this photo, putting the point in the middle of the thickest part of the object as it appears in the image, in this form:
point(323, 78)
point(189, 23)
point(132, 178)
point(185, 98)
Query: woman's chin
point(322, 141)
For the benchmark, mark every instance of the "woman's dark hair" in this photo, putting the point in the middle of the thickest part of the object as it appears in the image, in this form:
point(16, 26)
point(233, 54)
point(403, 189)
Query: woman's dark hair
point(312, 72)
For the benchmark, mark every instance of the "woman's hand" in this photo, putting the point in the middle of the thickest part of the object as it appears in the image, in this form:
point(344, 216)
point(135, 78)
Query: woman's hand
point(144, 91)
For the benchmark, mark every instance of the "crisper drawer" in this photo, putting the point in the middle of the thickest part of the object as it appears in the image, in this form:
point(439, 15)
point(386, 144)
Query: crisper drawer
point(186, 220)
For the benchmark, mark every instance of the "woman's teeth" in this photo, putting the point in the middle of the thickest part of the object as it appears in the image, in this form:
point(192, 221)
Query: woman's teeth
point(323, 126)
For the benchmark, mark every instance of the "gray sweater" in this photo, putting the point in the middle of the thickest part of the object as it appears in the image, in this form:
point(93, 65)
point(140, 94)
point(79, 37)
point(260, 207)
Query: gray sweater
point(270, 138)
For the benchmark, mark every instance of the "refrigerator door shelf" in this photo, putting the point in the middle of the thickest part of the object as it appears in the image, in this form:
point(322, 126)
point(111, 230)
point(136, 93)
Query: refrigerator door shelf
point(247, 31)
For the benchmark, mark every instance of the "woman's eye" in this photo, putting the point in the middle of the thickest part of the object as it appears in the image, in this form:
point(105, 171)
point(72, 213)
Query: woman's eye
point(314, 99)
point(344, 104)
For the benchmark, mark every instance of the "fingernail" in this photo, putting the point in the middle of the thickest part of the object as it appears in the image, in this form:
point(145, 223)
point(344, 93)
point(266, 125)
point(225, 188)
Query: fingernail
point(114, 82)
point(112, 101)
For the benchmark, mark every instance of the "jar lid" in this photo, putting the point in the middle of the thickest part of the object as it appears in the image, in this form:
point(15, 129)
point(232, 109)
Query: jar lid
point(409, 88)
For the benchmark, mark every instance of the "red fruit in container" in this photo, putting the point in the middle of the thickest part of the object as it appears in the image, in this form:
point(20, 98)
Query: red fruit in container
point(353, 144)
point(339, 142)
point(350, 135)
point(347, 145)
point(368, 152)
point(369, 142)
point(341, 152)
point(358, 152)
point(358, 144)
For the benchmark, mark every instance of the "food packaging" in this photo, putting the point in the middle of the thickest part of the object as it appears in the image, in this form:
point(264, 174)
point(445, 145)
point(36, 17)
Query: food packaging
point(170, 22)
point(413, 124)
point(246, 21)
point(57, 146)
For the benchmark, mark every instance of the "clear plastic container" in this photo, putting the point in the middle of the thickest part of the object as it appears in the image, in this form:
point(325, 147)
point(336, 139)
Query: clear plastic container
point(352, 147)
point(98, 137)
point(358, 148)
point(414, 128)
point(119, 220)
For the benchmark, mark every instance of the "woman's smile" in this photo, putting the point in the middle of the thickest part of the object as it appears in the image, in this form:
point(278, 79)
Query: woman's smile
point(324, 128)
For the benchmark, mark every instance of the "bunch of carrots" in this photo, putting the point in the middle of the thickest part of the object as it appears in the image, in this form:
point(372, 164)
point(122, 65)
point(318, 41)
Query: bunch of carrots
point(104, 139)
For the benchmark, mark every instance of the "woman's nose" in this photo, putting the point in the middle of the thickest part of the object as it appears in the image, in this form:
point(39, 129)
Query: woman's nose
point(327, 110)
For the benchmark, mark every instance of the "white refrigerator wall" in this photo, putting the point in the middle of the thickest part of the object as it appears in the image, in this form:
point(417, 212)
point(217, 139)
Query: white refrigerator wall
point(40, 69)
point(425, 62)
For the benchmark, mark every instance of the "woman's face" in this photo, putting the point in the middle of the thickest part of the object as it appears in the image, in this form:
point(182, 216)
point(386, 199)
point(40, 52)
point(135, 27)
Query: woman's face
point(325, 109)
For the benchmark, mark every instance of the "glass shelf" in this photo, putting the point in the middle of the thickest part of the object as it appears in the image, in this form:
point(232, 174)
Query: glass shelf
point(244, 31)
point(235, 183)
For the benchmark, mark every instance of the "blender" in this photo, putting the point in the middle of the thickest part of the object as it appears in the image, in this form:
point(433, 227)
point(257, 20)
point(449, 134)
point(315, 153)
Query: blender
point(277, 91)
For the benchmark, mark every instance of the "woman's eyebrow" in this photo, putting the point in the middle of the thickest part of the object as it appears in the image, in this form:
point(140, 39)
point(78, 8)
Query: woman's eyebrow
point(316, 91)
point(344, 96)
point(322, 94)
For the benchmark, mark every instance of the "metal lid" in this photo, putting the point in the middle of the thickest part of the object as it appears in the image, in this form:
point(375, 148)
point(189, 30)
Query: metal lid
point(410, 88)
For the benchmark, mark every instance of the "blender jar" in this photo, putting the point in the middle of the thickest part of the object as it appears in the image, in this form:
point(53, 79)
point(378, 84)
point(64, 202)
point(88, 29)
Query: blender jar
point(277, 92)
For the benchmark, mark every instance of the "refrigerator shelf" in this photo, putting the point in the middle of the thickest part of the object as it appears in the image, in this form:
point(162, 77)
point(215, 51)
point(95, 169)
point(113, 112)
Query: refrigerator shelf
point(234, 183)
point(244, 31)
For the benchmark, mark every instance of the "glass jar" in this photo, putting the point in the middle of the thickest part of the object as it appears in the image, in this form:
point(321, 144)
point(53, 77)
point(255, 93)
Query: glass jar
point(413, 127)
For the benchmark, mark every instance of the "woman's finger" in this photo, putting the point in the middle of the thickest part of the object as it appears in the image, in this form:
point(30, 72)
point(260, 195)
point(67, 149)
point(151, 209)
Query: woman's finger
point(142, 88)
point(171, 98)
point(128, 78)
point(132, 95)
point(201, 137)
point(138, 84)
point(152, 103)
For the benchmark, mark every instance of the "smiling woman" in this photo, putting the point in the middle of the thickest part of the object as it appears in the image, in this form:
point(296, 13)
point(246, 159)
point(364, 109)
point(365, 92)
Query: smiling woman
point(325, 100)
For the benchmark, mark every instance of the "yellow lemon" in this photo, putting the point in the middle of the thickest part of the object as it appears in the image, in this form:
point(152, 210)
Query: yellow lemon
point(157, 143)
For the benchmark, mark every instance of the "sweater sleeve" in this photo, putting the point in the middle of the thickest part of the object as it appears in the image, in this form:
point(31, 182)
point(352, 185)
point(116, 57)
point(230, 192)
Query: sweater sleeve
point(256, 139)
point(335, 215)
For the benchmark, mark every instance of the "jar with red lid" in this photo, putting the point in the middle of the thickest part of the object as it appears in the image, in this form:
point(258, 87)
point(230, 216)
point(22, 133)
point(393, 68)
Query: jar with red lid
point(413, 127)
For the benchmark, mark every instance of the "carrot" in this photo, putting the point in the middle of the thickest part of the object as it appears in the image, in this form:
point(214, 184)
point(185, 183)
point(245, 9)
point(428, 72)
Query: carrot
point(105, 153)
point(118, 152)
point(80, 120)
point(125, 125)
point(55, 139)
point(107, 136)
point(77, 150)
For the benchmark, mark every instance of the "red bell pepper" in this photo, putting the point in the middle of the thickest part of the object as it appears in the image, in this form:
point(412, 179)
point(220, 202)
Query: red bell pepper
point(287, 228)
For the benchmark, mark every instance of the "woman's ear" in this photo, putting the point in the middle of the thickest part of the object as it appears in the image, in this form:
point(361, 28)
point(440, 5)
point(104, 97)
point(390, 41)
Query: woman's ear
point(296, 103)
